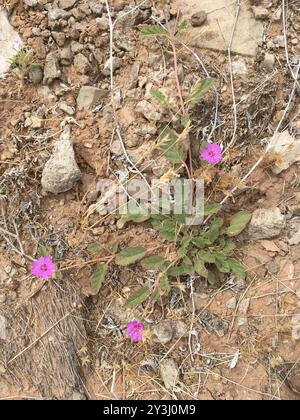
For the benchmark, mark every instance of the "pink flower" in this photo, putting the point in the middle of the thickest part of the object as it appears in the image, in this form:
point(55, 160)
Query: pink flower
point(212, 153)
point(43, 267)
point(135, 330)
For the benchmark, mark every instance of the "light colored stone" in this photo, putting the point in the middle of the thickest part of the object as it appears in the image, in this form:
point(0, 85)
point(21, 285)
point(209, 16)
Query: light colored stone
point(296, 327)
point(66, 4)
point(2, 328)
point(295, 238)
point(269, 62)
point(57, 13)
point(220, 21)
point(168, 330)
point(149, 111)
point(89, 97)
point(169, 373)
point(51, 69)
point(61, 171)
point(266, 224)
point(231, 303)
point(239, 67)
point(260, 13)
point(288, 150)
point(10, 42)
point(82, 64)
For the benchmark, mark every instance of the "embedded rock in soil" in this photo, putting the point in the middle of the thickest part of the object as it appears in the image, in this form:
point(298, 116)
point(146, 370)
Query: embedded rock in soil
point(149, 111)
point(288, 150)
point(2, 328)
point(198, 19)
point(89, 97)
point(167, 330)
point(66, 4)
point(266, 224)
point(51, 69)
point(10, 42)
point(61, 171)
point(221, 15)
point(295, 238)
point(169, 373)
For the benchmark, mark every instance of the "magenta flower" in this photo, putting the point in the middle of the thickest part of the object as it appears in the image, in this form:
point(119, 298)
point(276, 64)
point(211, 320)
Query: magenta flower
point(212, 153)
point(135, 330)
point(43, 267)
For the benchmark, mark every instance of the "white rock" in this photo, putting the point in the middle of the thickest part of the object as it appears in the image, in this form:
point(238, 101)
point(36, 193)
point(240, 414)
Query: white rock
point(288, 150)
point(150, 112)
point(2, 328)
point(266, 223)
point(61, 171)
point(239, 67)
point(10, 42)
point(169, 373)
point(89, 96)
point(220, 21)
point(295, 239)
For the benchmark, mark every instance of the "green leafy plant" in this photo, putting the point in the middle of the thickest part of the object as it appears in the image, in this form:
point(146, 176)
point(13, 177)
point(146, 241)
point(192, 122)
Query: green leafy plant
point(201, 252)
point(24, 61)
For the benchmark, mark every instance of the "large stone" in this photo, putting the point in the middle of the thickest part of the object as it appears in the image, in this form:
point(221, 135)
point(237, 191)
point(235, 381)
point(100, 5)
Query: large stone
point(288, 150)
point(266, 224)
point(169, 373)
point(61, 171)
point(220, 22)
point(10, 42)
point(89, 97)
point(66, 4)
point(51, 69)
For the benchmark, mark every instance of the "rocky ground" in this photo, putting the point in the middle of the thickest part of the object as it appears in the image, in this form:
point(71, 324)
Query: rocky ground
point(61, 109)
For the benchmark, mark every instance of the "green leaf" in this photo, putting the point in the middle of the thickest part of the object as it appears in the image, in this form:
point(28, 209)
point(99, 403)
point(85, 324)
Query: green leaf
point(201, 242)
point(137, 297)
point(94, 247)
point(238, 223)
point(222, 263)
point(200, 268)
point(159, 96)
point(153, 30)
point(165, 285)
point(211, 278)
point(114, 248)
point(58, 275)
point(43, 251)
point(214, 230)
point(173, 151)
point(167, 228)
point(153, 262)
point(228, 248)
point(207, 257)
point(176, 271)
point(137, 218)
point(130, 256)
point(98, 277)
point(210, 209)
point(199, 90)
point(237, 268)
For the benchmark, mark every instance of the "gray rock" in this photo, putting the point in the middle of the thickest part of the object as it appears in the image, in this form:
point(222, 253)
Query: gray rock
point(89, 97)
point(66, 55)
point(231, 303)
point(269, 62)
point(288, 150)
point(78, 396)
point(10, 42)
point(169, 373)
point(220, 21)
point(214, 323)
point(96, 8)
point(31, 3)
point(51, 69)
point(239, 67)
point(2, 328)
point(266, 224)
point(36, 75)
point(66, 4)
point(103, 23)
point(2, 298)
point(199, 18)
point(55, 14)
point(59, 37)
point(149, 111)
point(169, 330)
point(295, 238)
point(82, 63)
point(66, 108)
point(117, 63)
point(61, 171)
